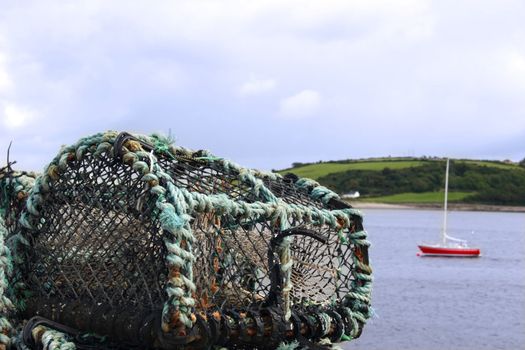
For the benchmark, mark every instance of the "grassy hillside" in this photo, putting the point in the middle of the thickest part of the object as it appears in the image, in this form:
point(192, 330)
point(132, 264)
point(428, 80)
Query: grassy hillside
point(413, 180)
point(424, 197)
point(318, 170)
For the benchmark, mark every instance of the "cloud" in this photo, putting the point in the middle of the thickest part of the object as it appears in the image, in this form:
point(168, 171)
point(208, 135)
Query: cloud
point(419, 67)
point(517, 62)
point(302, 104)
point(256, 86)
point(14, 117)
point(5, 81)
point(516, 68)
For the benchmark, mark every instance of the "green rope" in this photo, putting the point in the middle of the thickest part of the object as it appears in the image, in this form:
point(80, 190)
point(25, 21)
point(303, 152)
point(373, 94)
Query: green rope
point(289, 346)
point(55, 340)
point(6, 306)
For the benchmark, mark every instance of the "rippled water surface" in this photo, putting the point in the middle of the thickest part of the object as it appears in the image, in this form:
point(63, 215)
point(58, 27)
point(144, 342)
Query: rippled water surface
point(446, 303)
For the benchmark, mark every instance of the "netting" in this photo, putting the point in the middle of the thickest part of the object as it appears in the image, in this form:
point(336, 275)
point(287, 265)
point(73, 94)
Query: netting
point(127, 241)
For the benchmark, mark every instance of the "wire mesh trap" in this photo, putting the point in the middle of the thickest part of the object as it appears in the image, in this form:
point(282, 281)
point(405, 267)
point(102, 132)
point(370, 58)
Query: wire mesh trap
point(130, 242)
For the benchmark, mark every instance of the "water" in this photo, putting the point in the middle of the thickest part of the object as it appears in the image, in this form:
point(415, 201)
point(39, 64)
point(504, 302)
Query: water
point(446, 303)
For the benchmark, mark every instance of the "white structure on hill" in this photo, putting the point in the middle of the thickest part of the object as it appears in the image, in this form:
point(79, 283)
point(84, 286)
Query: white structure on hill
point(350, 195)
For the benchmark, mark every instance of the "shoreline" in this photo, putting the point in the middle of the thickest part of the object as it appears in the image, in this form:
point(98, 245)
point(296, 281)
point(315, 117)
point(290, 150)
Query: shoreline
point(451, 206)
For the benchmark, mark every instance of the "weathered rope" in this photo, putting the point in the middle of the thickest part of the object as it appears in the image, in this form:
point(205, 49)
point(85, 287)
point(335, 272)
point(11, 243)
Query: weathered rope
point(52, 339)
point(14, 185)
point(6, 306)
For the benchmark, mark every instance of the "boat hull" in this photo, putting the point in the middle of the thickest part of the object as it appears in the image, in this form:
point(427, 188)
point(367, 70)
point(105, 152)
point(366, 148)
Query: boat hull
point(449, 251)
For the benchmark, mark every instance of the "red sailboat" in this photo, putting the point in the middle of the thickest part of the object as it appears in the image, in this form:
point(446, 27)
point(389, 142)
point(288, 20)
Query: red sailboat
point(449, 246)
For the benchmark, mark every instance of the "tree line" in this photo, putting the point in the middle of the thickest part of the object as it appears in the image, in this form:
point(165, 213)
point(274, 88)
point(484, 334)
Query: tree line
point(489, 185)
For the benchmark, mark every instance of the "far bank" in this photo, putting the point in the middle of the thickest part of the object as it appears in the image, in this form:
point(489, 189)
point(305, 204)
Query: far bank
point(451, 206)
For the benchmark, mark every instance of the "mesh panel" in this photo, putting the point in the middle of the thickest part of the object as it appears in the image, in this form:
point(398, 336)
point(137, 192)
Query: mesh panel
point(201, 177)
point(321, 271)
point(211, 179)
point(232, 268)
point(290, 194)
point(96, 239)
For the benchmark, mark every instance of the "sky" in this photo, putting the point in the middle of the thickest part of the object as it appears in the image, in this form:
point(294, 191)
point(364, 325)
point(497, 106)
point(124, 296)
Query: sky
point(266, 83)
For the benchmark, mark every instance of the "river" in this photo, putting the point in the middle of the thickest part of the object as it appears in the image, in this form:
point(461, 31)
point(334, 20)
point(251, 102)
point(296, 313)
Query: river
point(445, 303)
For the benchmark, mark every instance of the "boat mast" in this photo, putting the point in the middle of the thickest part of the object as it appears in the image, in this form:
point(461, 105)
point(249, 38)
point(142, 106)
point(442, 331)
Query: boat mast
point(444, 231)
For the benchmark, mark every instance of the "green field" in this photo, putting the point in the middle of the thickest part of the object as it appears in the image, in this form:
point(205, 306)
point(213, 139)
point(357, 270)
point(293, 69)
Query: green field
point(420, 180)
point(425, 197)
point(315, 171)
point(318, 170)
point(493, 164)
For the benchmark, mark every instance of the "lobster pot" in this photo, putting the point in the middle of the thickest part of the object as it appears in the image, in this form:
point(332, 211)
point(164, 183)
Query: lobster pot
point(132, 242)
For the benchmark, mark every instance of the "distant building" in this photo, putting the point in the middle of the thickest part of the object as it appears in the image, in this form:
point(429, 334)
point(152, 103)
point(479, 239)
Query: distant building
point(351, 195)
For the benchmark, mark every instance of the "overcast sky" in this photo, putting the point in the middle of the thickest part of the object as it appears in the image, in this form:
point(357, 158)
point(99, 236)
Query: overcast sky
point(267, 83)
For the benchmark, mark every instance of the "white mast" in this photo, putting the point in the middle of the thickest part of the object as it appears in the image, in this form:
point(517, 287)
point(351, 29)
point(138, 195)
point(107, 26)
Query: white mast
point(444, 231)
